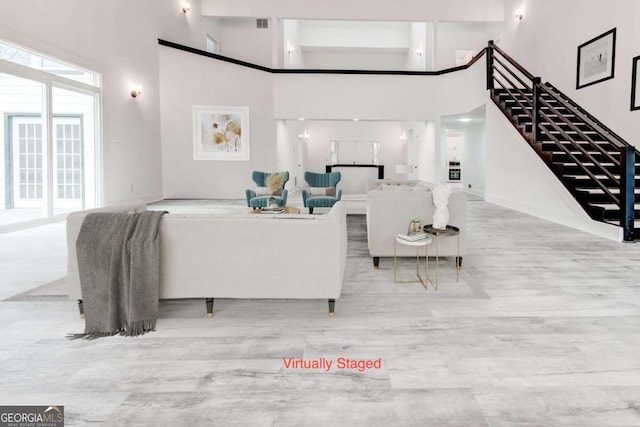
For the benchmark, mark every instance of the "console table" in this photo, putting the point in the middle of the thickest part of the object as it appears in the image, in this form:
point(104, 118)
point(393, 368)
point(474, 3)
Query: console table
point(380, 168)
point(355, 176)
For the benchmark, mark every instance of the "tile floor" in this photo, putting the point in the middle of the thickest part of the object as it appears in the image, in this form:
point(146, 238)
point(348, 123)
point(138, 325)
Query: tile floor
point(541, 330)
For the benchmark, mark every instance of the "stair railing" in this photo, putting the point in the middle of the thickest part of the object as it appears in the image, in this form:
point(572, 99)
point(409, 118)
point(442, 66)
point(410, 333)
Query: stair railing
point(508, 78)
point(625, 162)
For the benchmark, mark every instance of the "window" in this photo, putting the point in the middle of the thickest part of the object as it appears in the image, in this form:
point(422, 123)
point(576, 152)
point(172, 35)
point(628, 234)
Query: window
point(212, 45)
point(23, 56)
point(68, 159)
point(49, 136)
point(27, 146)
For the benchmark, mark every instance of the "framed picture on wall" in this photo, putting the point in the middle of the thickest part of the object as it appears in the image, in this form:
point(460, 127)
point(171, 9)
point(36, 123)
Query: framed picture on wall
point(596, 59)
point(635, 85)
point(220, 133)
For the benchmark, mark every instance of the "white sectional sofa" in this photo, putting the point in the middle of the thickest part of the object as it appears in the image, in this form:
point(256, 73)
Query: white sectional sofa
point(391, 205)
point(240, 256)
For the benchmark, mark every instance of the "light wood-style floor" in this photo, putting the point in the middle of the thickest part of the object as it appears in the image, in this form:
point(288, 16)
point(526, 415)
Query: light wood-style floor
point(541, 330)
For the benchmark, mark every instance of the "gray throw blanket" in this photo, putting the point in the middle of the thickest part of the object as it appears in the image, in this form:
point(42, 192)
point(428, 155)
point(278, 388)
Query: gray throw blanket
point(119, 267)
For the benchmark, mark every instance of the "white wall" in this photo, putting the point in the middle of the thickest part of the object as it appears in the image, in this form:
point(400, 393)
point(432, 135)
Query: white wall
point(350, 34)
point(291, 53)
point(239, 38)
point(473, 159)
point(518, 179)
point(117, 38)
point(214, 83)
point(364, 45)
point(287, 140)
point(354, 59)
point(461, 35)
point(382, 103)
point(212, 27)
point(374, 10)
point(542, 43)
point(371, 97)
point(419, 49)
point(429, 149)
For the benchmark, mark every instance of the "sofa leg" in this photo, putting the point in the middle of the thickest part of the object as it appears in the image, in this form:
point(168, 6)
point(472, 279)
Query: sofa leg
point(310, 210)
point(376, 261)
point(459, 261)
point(81, 308)
point(332, 307)
point(209, 302)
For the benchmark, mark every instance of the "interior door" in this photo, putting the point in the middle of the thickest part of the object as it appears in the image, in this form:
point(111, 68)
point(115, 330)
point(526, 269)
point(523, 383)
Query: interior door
point(412, 155)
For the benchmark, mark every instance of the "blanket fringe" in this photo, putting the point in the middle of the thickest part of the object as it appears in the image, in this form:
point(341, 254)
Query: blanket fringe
point(139, 327)
point(90, 335)
point(133, 329)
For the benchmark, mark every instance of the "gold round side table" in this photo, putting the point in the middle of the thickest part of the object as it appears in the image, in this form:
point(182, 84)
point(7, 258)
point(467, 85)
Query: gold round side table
point(417, 244)
point(448, 231)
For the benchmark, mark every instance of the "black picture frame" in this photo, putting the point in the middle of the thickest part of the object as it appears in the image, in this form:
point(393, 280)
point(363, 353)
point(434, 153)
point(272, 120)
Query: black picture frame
point(596, 59)
point(635, 83)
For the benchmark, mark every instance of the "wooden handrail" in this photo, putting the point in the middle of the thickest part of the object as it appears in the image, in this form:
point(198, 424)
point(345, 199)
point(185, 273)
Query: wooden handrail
point(584, 115)
point(579, 131)
point(511, 60)
point(319, 71)
point(577, 146)
point(594, 178)
point(504, 66)
point(514, 98)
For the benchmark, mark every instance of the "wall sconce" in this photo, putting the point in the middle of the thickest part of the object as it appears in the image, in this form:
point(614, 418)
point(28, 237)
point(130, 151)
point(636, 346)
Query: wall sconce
point(186, 6)
point(136, 90)
point(419, 52)
point(304, 136)
point(403, 137)
point(519, 15)
point(290, 49)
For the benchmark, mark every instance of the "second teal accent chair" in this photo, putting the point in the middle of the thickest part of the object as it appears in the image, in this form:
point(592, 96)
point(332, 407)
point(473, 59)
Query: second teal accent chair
point(255, 200)
point(322, 191)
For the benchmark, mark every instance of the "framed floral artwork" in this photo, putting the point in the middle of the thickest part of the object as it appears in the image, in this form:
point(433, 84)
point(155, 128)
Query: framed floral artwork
point(220, 133)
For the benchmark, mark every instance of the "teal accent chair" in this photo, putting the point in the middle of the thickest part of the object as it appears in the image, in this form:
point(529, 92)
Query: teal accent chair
point(310, 196)
point(255, 200)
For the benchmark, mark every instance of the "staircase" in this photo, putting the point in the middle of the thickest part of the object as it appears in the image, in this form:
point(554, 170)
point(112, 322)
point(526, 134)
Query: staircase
point(595, 165)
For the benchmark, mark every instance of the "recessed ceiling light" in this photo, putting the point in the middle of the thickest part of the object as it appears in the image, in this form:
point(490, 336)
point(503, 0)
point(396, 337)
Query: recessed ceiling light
point(355, 120)
point(464, 119)
point(301, 119)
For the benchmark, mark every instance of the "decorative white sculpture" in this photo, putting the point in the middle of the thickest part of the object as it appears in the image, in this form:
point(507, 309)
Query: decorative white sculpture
point(441, 201)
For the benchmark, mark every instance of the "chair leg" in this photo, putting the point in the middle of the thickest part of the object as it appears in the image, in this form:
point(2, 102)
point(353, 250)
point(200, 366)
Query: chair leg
point(376, 261)
point(332, 307)
point(310, 210)
point(209, 302)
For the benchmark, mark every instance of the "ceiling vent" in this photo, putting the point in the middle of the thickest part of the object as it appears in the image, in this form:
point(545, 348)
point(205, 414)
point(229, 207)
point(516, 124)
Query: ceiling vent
point(262, 23)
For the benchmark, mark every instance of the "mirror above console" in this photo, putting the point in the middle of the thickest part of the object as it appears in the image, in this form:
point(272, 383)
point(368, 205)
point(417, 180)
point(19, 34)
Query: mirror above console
point(355, 152)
